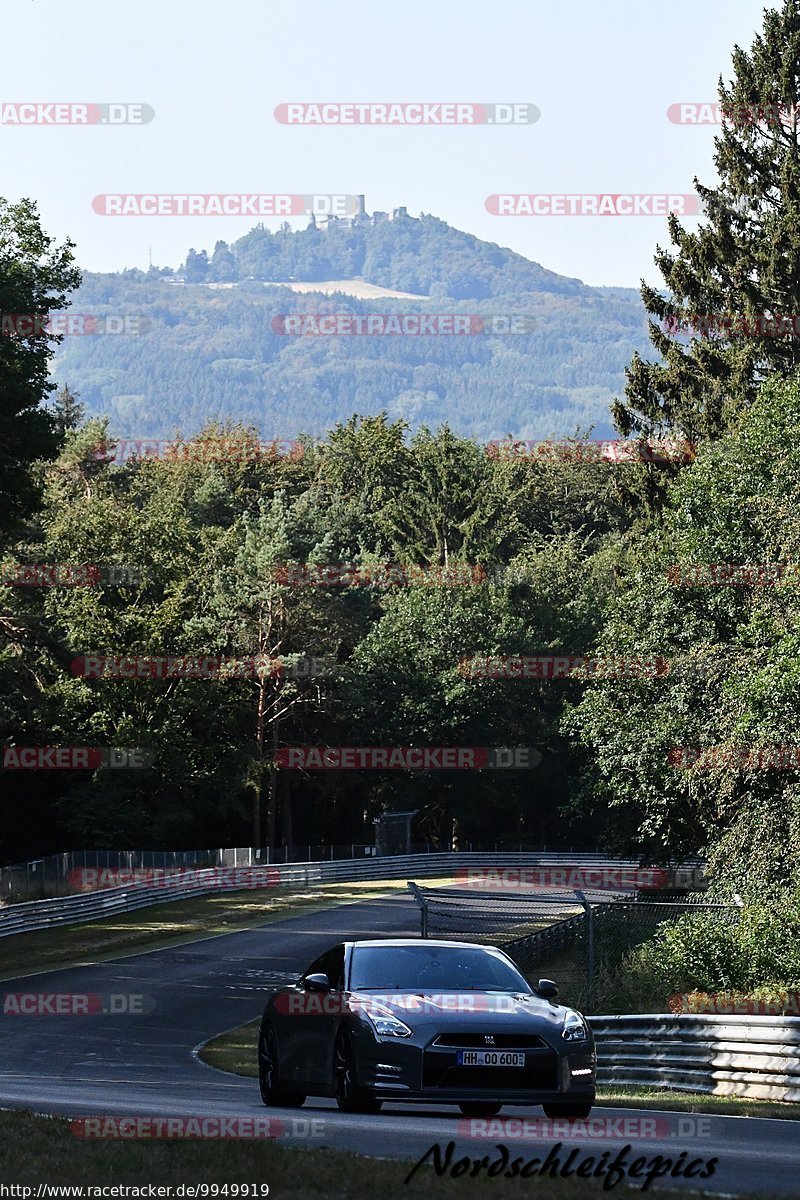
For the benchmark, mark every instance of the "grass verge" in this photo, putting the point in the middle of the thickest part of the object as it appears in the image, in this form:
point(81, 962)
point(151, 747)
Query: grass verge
point(236, 1052)
point(36, 1149)
point(174, 922)
point(697, 1102)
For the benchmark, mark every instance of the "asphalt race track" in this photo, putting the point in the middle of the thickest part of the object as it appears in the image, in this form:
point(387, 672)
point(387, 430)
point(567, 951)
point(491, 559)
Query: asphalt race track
point(143, 1065)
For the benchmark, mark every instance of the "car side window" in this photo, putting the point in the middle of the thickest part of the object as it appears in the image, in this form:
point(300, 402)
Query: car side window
point(333, 967)
point(331, 963)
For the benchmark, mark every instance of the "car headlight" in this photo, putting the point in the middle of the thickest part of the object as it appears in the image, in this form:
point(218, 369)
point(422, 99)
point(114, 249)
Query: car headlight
point(386, 1024)
point(574, 1027)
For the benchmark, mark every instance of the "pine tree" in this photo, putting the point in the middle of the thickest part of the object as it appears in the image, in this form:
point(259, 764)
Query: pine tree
point(68, 413)
point(734, 285)
point(36, 276)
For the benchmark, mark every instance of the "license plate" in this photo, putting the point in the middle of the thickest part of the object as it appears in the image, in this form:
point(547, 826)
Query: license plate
point(491, 1058)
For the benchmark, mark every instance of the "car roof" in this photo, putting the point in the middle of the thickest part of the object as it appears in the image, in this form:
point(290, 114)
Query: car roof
point(414, 942)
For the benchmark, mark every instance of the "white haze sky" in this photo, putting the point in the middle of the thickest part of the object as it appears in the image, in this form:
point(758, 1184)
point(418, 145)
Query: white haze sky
point(603, 75)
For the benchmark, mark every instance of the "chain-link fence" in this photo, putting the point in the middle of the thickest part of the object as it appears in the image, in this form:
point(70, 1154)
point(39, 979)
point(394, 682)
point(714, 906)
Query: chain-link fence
point(581, 940)
point(615, 930)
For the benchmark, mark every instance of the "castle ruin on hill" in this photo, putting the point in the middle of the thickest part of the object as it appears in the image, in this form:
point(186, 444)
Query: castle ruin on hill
point(359, 218)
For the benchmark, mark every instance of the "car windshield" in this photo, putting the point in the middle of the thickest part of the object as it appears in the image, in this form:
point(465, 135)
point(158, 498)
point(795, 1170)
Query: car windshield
point(432, 968)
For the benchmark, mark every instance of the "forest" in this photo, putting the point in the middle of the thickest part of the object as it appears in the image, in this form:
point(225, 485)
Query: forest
point(212, 345)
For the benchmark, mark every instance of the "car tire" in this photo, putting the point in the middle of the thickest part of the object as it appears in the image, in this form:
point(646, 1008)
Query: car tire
point(273, 1093)
point(475, 1108)
point(349, 1096)
point(568, 1111)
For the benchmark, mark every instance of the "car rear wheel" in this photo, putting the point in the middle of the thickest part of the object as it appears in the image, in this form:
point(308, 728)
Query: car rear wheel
point(273, 1092)
point(349, 1096)
point(577, 1111)
point(477, 1109)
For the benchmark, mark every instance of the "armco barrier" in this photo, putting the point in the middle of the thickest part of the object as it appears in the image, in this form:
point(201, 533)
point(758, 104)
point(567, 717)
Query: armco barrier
point(758, 1057)
point(107, 902)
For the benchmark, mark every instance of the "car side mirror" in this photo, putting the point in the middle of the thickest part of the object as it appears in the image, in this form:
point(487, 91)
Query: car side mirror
point(317, 983)
point(547, 989)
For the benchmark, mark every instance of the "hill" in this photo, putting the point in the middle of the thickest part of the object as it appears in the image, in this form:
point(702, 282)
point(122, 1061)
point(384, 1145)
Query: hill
point(211, 342)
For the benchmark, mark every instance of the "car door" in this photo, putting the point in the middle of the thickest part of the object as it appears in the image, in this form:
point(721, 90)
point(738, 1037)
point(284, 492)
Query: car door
point(321, 1012)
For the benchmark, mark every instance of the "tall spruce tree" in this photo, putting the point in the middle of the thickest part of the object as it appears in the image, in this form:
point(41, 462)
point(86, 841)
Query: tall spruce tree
point(36, 276)
point(731, 315)
point(67, 411)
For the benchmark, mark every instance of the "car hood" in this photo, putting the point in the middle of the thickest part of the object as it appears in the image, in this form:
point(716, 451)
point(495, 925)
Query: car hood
point(465, 1010)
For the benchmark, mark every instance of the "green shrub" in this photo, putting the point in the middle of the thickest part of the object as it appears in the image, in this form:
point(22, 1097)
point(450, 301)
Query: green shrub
point(754, 951)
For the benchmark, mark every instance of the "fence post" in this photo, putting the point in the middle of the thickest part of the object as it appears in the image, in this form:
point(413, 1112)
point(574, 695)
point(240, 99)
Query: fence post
point(589, 947)
point(423, 904)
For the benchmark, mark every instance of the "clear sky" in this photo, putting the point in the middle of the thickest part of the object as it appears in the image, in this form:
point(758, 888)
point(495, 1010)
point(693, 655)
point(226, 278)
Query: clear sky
point(602, 74)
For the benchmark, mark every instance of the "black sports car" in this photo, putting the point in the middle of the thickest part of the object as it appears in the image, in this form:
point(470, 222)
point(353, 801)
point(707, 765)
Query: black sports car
point(444, 1022)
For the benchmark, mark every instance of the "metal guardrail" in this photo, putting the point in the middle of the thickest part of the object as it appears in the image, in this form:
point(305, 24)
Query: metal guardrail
point(69, 910)
point(753, 1056)
point(78, 870)
point(81, 870)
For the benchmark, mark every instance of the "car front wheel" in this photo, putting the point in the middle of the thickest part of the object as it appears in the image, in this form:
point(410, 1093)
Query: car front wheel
point(273, 1092)
point(349, 1096)
point(566, 1111)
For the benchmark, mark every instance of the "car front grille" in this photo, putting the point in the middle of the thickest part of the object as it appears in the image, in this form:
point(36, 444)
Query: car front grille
point(500, 1041)
point(540, 1073)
